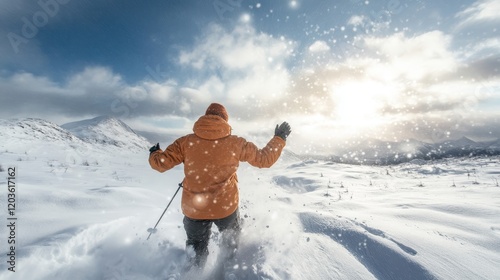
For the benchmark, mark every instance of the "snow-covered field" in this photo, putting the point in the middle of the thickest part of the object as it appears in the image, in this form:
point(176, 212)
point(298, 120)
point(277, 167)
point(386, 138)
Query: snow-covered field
point(83, 209)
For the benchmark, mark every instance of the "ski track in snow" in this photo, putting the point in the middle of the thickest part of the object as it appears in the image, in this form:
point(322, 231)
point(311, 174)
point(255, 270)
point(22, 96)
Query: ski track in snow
point(84, 210)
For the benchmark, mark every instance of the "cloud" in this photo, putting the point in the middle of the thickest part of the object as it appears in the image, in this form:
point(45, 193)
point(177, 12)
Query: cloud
point(239, 49)
point(93, 91)
point(480, 12)
point(391, 68)
point(397, 86)
point(476, 29)
point(319, 46)
point(413, 58)
point(245, 69)
point(357, 20)
point(241, 68)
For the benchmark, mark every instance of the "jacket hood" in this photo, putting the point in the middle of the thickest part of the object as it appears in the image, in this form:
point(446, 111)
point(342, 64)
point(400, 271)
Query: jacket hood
point(211, 127)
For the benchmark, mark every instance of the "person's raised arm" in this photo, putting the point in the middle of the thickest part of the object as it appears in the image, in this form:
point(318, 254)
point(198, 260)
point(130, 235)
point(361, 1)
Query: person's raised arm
point(268, 155)
point(165, 160)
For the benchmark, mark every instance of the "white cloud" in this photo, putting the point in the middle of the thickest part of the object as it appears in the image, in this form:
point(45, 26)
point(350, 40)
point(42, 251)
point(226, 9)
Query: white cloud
point(357, 20)
point(423, 56)
point(93, 91)
point(239, 49)
point(481, 11)
point(99, 76)
point(161, 92)
point(399, 86)
point(250, 66)
point(483, 48)
point(319, 46)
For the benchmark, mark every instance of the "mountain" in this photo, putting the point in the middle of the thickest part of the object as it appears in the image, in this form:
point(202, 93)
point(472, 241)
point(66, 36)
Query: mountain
point(493, 145)
point(32, 129)
point(36, 136)
point(462, 142)
point(464, 147)
point(83, 143)
point(107, 131)
point(373, 151)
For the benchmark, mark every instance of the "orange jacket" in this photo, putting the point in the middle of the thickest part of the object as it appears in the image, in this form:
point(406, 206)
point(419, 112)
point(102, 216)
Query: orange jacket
point(211, 157)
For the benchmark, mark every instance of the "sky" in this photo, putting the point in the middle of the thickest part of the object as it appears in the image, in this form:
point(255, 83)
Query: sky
point(337, 71)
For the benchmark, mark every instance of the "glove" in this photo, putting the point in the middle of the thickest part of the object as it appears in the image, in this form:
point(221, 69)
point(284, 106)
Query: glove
point(283, 130)
point(154, 148)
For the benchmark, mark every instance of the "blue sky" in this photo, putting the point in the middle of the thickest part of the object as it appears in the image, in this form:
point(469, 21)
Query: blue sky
point(335, 70)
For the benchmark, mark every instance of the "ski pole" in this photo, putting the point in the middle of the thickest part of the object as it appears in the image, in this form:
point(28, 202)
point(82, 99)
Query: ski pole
point(153, 230)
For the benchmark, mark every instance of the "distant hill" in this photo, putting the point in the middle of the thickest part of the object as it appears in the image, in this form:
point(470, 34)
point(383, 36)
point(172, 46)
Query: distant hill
point(99, 133)
point(386, 152)
point(105, 130)
point(31, 129)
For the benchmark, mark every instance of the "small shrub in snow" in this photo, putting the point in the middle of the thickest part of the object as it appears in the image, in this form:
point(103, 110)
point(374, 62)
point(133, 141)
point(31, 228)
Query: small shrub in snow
point(86, 163)
point(2, 170)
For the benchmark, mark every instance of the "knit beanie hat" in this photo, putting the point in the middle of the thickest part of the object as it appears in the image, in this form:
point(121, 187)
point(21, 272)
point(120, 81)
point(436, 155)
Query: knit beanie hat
point(218, 110)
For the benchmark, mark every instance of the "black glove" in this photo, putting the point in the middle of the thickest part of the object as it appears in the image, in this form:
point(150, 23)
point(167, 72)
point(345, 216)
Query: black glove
point(283, 130)
point(154, 148)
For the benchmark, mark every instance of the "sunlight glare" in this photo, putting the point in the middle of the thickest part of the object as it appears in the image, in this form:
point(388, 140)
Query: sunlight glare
point(358, 102)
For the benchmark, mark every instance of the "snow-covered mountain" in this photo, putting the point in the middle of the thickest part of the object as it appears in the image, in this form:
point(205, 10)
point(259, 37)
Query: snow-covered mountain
point(493, 145)
point(374, 151)
point(32, 129)
point(36, 137)
point(98, 133)
point(106, 130)
point(85, 143)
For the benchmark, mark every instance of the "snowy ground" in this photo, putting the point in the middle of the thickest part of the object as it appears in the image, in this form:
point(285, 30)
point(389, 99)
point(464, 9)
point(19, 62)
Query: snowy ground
point(83, 213)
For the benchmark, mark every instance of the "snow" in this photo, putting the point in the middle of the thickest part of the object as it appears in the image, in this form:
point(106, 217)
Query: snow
point(84, 208)
point(106, 130)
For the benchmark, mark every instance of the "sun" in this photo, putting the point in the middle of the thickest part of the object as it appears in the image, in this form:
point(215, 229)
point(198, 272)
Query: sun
point(358, 103)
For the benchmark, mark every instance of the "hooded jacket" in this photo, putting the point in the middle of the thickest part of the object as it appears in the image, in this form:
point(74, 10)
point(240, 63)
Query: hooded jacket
point(211, 157)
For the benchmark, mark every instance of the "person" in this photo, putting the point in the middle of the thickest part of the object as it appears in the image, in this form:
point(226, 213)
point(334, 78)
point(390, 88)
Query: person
point(211, 157)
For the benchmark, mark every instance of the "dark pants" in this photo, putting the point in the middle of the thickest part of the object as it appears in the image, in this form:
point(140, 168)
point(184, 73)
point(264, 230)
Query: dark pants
point(198, 235)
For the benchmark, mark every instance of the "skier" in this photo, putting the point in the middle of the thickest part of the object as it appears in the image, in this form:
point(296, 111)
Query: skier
point(211, 157)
